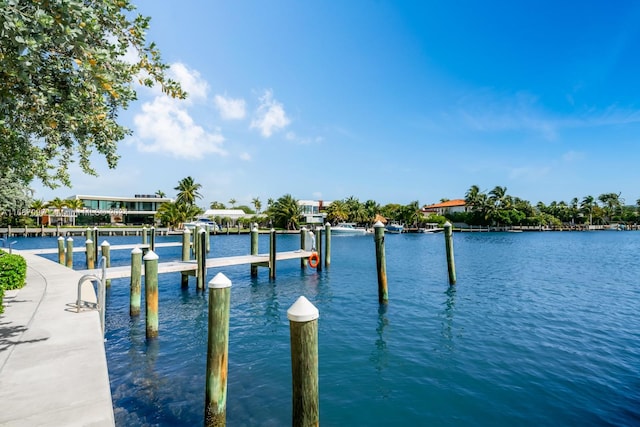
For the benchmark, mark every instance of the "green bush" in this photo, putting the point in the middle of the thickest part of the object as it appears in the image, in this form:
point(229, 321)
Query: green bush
point(13, 271)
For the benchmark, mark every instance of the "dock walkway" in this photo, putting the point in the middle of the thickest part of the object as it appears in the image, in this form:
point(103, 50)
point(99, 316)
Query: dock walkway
point(53, 367)
point(181, 266)
point(113, 248)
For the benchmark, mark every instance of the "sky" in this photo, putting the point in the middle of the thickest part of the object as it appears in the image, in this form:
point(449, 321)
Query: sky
point(394, 101)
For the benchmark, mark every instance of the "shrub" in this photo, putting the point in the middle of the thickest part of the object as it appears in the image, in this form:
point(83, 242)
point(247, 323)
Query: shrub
point(13, 271)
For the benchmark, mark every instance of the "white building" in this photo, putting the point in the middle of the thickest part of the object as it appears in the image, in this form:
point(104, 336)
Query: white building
point(311, 211)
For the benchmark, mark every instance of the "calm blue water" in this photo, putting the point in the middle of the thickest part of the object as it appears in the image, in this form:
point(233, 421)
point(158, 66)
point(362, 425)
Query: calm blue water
point(541, 329)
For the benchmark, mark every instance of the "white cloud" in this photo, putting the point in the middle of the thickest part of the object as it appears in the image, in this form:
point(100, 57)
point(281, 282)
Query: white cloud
point(292, 136)
point(230, 108)
point(165, 126)
point(190, 81)
point(270, 115)
point(245, 156)
point(573, 156)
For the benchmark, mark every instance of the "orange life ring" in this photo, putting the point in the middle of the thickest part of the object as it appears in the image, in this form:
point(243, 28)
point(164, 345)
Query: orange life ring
point(314, 260)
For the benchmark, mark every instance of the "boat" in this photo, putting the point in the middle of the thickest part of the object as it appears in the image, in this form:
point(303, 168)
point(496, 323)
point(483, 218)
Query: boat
point(430, 230)
point(347, 228)
point(394, 228)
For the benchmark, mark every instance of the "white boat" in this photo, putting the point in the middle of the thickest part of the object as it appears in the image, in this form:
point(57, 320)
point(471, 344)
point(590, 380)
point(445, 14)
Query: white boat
point(394, 228)
point(430, 230)
point(347, 228)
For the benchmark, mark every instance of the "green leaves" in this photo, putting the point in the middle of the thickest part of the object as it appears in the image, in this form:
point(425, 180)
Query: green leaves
point(63, 79)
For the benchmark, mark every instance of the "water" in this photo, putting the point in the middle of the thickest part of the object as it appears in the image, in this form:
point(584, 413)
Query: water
point(541, 329)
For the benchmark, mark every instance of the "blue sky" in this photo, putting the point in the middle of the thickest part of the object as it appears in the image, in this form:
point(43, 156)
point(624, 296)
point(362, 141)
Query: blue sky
point(391, 101)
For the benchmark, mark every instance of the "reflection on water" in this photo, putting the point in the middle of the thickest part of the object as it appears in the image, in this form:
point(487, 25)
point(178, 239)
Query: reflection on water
point(380, 355)
point(447, 321)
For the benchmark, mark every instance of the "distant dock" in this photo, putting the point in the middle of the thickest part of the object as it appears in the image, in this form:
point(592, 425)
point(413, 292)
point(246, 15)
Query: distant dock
point(190, 267)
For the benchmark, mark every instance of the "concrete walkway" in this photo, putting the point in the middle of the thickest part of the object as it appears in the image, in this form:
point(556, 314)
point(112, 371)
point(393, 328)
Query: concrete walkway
point(53, 368)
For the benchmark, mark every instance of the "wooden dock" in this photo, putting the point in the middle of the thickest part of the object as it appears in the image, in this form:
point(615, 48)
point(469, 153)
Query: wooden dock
point(113, 248)
point(191, 266)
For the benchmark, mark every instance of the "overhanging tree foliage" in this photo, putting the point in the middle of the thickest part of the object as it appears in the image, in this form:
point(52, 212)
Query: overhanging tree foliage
point(63, 79)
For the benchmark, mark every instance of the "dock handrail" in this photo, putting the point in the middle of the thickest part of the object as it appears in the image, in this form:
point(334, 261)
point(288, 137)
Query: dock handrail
point(101, 290)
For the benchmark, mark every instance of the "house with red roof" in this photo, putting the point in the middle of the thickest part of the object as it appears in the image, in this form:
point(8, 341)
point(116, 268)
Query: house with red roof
point(444, 208)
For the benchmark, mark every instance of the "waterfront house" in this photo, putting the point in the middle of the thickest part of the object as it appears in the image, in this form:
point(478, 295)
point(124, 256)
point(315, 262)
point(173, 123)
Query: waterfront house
point(445, 208)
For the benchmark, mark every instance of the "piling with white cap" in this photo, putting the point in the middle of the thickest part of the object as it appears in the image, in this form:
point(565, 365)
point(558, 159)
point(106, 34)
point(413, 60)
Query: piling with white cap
point(381, 263)
point(217, 351)
point(151, 293)
point(69, 257)
point(303, 328)
point(136, 282)
point(448, 240)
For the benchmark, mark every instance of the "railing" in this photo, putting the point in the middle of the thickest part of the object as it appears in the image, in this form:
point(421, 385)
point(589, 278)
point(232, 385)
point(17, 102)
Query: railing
point(100, 291)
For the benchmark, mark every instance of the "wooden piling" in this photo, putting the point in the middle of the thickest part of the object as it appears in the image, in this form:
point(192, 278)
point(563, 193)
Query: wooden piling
point(136, 282)
point(69, 255)
point(186, 245)
point(207, 229)
point(90, 253)
point(319, 247)
point(202, 260)
point(61, 255)
point(254, 249)
point(144, 235)
point(381, 263)
point(303, 246)
point(95, 242)
point(194, 242)
point(327, 245)
point(303, 329)
point(152, 239)
point(151, 293)
point(272, 254)
point(217, 351)
point(105, 247)
point(451, 265)
point(88, 234)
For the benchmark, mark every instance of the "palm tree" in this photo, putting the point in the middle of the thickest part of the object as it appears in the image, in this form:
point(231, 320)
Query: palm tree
point(160, 193)
point(57, 204)
point(472, 197)
point(588, 203)
point(373, 208)
point(411, 214)
point(217, 205)
point(38, 206)
point(611, 202)
point(500, 198)
point(232, 202)
point(188, 191)
point(176, 214)
point(257, 204)
point(337, 212)
point(286, 212)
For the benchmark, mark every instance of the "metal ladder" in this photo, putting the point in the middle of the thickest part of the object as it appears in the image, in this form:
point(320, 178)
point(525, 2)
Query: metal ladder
point(101, 291)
